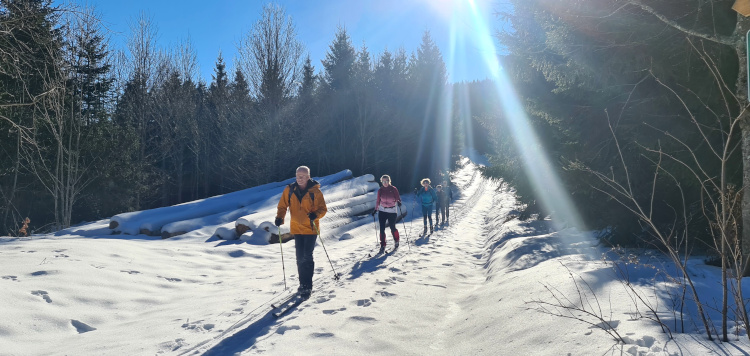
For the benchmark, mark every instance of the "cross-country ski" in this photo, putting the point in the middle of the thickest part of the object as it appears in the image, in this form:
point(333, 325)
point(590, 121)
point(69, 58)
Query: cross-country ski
point(288, 307)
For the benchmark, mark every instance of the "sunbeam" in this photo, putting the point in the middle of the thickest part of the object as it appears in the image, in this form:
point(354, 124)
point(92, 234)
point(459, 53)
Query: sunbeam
point(553, 196)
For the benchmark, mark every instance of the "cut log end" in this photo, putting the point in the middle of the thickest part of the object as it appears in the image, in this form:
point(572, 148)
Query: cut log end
point(241, 229)
point(113, 224)
point(150, 233)
point(284, 238)
point(166, 234)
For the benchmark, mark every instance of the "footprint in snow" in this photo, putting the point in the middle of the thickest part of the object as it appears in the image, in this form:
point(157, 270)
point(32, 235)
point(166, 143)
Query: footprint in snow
point(386, 294)
point(282, 329)
point(198, 326)
point(81, 327)
point(333, 311)
point(42, 294)
point(390, 281)
point(322, 335)
point(171, 279)
point(130, 272)
point(320, 300)
point(12, 278)
point(171, 345)
point(363, 318)
point(364, 302)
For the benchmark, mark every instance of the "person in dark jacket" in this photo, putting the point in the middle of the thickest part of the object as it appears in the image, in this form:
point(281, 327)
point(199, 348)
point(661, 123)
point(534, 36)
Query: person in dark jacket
point(386, 206)
point(444, 198)
point(427, 197)
point(306, 206)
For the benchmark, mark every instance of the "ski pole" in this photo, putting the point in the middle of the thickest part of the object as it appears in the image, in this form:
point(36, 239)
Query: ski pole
point(413, 206)
point(376, 231)
point(402, 222)
point(335, 275)
point(283, 266)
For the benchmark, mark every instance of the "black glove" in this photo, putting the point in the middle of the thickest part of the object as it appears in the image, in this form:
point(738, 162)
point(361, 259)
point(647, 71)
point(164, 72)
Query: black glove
point(278, 221)
point(374, 212)
point(399, 203)
point(312, 216)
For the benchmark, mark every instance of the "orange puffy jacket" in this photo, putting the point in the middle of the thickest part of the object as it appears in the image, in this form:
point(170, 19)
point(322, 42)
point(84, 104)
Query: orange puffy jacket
point(299, 208)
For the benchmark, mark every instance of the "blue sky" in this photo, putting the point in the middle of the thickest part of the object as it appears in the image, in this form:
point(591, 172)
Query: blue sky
point(218, 25)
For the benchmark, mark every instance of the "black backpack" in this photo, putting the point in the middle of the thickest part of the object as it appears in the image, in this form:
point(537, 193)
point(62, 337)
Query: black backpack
point(291, 191)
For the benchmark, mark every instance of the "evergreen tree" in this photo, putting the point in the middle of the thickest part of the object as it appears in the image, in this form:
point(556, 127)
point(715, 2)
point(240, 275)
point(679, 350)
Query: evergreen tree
point(308, 87)
point(428, 77)
point(214, 130)
point(242, 120)
point(91, 87)
point(365, 121)
point(338, 76)
point(339, 62)
point(309, 113)
point(93, 70)
point(142, 62)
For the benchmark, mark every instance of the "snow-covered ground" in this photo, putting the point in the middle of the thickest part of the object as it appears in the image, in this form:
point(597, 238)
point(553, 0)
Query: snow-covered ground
point(473, 287)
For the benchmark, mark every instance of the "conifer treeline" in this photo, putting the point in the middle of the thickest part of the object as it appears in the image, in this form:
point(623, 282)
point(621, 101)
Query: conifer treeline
point(88, 131)
point(644, 93)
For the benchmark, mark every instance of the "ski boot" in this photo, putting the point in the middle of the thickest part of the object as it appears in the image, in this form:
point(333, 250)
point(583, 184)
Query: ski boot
point(304, 293)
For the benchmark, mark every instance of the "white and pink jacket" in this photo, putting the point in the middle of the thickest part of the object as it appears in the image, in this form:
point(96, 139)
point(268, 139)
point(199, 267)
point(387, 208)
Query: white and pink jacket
point(388, 198)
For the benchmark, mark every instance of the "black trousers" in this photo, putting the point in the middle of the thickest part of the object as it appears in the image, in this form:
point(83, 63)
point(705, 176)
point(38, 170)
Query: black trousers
point(389, 218)
point(427, 214)
point(442, 210)
point(304, 246)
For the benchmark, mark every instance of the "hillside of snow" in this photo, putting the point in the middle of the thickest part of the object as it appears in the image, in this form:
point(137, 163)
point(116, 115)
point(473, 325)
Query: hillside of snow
point(472, 287)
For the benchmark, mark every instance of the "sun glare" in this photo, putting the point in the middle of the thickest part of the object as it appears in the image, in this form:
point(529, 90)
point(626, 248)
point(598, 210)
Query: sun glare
point(536, 163)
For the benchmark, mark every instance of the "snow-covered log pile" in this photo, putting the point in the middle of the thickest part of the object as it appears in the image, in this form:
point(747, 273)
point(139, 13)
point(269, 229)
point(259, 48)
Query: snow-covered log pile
point(344, 200)
point(179, 219)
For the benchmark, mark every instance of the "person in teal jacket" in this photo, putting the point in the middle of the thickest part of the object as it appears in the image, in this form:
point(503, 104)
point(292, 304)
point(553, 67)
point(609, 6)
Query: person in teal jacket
point(426, 195)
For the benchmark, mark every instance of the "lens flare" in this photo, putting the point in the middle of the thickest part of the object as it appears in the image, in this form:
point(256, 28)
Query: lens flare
point(554, 198)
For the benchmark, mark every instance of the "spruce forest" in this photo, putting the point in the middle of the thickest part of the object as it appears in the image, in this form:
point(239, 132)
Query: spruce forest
point(639, 105)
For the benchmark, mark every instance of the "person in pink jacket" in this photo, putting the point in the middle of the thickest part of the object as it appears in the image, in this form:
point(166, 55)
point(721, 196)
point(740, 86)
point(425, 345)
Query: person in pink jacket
point(386, 207)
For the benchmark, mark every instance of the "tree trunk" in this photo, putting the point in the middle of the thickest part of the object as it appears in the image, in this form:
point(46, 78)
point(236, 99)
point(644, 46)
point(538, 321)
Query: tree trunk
point(745, 195)
point(743, 25)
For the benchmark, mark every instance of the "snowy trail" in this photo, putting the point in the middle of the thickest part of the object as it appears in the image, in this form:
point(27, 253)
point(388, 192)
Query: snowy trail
point(411, 290)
